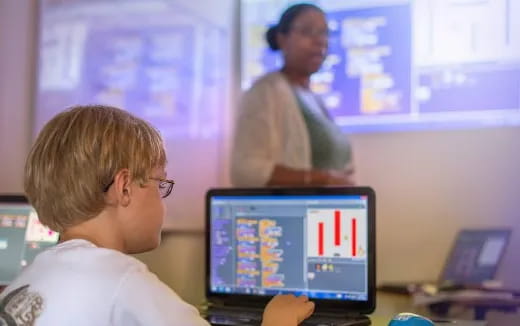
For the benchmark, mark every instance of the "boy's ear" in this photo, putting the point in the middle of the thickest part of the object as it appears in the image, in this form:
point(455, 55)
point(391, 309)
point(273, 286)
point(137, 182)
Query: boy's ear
point(122, 183)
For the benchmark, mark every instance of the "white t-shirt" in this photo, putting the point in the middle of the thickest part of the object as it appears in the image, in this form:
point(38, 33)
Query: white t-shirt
point(77, 283)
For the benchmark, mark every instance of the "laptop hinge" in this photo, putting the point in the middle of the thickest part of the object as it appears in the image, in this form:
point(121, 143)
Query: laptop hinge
point(337, 313)
point(232, 305)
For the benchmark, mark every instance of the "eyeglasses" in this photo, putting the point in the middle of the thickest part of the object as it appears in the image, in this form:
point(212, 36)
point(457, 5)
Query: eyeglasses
point(309, 31)
point(165, 186)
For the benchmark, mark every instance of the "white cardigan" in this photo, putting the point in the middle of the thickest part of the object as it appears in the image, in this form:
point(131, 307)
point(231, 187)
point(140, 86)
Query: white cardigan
point(270, 130)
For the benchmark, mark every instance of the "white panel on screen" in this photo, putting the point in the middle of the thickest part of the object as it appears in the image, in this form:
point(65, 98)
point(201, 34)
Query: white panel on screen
point(337, 233)
point(406, 64)
point(166, 61)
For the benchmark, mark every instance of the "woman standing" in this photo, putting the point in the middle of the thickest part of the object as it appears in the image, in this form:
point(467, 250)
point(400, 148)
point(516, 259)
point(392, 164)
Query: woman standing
point(284, 135)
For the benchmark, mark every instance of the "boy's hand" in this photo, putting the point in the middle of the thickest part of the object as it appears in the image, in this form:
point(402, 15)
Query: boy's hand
point(287, 310)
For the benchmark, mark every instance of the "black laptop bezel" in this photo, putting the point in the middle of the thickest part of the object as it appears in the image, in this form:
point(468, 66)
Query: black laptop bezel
point(13, 199)
point(322, 305)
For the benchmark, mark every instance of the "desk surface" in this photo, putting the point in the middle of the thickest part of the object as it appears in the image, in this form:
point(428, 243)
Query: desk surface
point(383, 321)
point(389, 305)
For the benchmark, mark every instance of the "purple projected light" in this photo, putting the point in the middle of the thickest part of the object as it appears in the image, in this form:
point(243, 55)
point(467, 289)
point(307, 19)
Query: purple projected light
point(397, 66)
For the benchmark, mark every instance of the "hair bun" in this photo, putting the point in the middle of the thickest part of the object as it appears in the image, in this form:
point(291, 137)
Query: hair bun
point(270, 37)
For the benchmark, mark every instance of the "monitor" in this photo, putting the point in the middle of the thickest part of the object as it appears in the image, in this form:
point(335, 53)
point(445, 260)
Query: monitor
point(313, 241)
point(475, 256)
point(22, 236)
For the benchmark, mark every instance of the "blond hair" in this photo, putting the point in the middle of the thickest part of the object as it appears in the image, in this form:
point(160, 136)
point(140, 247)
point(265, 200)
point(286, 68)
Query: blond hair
point(77, 155)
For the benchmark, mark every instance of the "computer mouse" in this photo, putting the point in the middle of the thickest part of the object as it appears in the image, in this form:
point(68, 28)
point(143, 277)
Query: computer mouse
point(409, 319)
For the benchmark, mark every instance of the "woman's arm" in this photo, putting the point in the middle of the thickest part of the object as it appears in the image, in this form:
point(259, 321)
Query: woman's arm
point(256, 139)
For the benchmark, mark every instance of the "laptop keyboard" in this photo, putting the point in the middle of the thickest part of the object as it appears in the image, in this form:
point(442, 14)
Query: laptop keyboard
point(245, 317)
point(250, 318)
point(328, 321)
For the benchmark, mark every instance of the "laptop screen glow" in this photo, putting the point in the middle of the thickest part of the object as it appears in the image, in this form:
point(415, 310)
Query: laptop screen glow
point(313, 245)
point(22, 237)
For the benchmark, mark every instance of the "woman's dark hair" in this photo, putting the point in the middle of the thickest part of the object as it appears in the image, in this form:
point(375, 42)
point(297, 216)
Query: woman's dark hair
point(286, 20)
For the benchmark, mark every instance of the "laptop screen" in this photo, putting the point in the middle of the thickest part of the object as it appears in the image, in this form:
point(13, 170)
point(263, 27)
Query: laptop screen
point(475, 256)
point(22, 237)
point(313, 244)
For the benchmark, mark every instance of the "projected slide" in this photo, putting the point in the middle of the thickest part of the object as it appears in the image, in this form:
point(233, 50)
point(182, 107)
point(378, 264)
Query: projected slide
point(468, 56)
point(162, 60)
point(402, 64)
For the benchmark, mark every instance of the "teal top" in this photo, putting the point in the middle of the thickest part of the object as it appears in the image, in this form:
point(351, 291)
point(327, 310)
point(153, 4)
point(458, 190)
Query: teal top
point(330, 147)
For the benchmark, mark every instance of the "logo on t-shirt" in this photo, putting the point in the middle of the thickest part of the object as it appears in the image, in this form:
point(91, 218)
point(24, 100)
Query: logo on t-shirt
point(20, 307)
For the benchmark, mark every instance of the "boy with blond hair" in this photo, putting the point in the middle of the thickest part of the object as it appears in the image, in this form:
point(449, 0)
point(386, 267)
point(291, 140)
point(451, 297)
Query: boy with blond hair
point(96, 174)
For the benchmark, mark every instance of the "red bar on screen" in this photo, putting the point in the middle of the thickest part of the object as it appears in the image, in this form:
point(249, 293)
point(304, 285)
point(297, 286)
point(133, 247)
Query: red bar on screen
point(354, 233)
point(337, 228)
point(320, 238)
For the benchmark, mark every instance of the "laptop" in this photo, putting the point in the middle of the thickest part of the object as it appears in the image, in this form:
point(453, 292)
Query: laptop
point(474, 259)
point(22, 236)
point(318, 242)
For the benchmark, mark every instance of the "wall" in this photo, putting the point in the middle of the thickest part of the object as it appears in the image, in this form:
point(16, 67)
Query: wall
point(17, 38)
point(429, 184)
